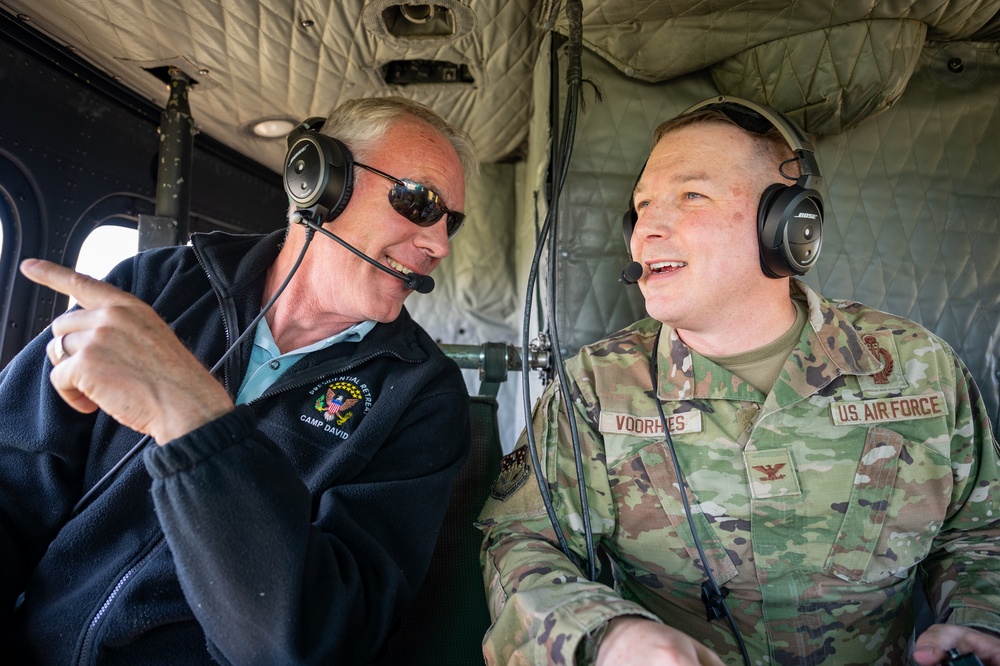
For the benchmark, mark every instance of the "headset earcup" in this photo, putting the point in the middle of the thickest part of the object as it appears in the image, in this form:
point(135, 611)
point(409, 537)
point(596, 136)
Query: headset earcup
point(340, 185)
point(318, 171)
point(768, 227)
point(789, 230)
point(628, 226)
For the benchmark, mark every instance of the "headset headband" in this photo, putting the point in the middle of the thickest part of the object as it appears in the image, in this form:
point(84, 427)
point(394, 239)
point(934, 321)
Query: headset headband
point(736, 109)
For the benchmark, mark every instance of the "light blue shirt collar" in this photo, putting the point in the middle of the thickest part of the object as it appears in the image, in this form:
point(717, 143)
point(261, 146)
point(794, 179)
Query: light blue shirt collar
point(267, 363)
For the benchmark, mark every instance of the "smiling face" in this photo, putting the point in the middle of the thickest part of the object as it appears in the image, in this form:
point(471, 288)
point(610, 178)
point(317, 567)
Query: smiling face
point(696, 237)
point(345, 287)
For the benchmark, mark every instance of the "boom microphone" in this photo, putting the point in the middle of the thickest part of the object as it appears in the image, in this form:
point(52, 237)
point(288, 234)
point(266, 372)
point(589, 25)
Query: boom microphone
point(420, 283)
point(632, 273)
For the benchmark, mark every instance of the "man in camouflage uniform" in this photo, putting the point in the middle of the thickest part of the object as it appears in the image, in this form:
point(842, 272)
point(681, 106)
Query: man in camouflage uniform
point(833, 456)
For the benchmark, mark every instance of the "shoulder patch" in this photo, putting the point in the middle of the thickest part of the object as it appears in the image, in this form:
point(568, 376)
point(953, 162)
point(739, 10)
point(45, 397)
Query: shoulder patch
point(883, 347)
point(513, 473)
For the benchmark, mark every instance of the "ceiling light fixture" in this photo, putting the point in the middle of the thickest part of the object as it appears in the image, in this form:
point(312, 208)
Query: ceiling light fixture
point(418, 13)
point(272, 128)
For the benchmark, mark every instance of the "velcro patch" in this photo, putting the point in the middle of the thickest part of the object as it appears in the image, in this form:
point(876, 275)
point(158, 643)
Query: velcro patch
point(890, 378)
point(682, 423)
point(771, 473)
point(880, 410)
point(513, 472)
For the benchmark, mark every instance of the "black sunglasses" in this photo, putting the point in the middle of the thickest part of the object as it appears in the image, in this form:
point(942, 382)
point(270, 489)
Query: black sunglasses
point(418, 204)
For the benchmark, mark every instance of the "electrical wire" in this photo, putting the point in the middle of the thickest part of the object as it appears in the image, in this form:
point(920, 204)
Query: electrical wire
point(215, 368)
point(562, 149)
point(526, 403)
point(714, 589)
point(543, 487)
point(574, 77)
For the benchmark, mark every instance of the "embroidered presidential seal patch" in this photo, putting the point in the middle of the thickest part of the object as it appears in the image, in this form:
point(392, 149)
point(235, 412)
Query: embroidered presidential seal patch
point(338, 406)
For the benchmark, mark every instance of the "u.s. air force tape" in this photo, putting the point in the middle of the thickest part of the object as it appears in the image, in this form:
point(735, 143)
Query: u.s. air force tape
point(880, 410)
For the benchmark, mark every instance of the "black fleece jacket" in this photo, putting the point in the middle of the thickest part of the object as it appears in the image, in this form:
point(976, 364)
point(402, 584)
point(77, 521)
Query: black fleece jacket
point(292, 530)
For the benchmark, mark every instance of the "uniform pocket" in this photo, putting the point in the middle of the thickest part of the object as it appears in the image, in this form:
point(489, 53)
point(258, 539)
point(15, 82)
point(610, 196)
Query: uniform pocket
point(898, 502)
point(646, 490)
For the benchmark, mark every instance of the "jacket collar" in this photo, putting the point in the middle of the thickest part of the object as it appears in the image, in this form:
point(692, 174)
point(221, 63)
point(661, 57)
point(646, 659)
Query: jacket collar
point(237, 264)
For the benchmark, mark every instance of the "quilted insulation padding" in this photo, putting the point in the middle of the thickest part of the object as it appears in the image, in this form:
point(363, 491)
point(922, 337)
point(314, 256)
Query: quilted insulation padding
point(912, 220)
point(829, 79)
point(297, 58)
point(474, 293)
point(475, 297)
point(654, 40)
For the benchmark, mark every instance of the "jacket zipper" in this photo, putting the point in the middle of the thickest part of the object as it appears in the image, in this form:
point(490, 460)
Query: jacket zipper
point(102, 611)
point(229, 316)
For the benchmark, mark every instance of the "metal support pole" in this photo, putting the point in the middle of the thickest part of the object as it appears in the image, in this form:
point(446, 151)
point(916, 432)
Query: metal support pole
point(170, 225)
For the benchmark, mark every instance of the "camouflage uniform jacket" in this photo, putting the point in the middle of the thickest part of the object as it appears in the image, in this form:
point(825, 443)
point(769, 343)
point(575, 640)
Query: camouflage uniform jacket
point(816, 504)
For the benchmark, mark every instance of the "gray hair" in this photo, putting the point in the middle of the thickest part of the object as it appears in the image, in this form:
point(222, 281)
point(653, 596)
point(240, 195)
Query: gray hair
point(361, 123)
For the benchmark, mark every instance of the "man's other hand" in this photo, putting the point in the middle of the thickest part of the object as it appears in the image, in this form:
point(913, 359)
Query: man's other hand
point(640, 642)
point(933, 644)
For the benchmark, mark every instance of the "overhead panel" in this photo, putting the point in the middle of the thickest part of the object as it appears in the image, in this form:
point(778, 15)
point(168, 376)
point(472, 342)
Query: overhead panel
point(471, 62)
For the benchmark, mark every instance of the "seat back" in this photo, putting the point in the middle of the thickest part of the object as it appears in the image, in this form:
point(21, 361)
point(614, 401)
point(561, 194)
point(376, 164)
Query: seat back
point(448, 618)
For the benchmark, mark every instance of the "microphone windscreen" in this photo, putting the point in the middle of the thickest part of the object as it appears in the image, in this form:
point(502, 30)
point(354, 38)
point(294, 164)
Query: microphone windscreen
point(426, 285)
point(422, 284)
point(632, 273)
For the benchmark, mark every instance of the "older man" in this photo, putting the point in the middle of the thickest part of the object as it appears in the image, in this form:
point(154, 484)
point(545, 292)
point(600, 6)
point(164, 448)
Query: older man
point(822, 458)
point(288, 509)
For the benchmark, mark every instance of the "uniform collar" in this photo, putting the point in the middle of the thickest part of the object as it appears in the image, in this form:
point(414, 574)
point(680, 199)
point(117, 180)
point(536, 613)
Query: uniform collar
point(828, 349)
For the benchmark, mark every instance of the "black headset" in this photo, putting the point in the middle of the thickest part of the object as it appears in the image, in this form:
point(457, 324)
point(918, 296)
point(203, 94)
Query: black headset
point(789, 217)
point(319, 170)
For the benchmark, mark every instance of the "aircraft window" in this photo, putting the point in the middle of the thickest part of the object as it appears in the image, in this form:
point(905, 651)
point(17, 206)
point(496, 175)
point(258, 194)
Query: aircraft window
point(104, 248)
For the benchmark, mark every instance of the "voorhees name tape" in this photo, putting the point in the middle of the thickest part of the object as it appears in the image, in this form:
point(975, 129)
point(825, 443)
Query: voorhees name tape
point(646, 426)
point(880, 410)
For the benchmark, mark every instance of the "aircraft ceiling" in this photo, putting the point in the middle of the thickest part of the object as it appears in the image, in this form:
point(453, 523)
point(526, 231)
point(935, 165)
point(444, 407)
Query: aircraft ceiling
point(250, 60)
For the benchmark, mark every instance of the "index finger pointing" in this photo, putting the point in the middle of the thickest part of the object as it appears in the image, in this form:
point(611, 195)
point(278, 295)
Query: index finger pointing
point(87, 291)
